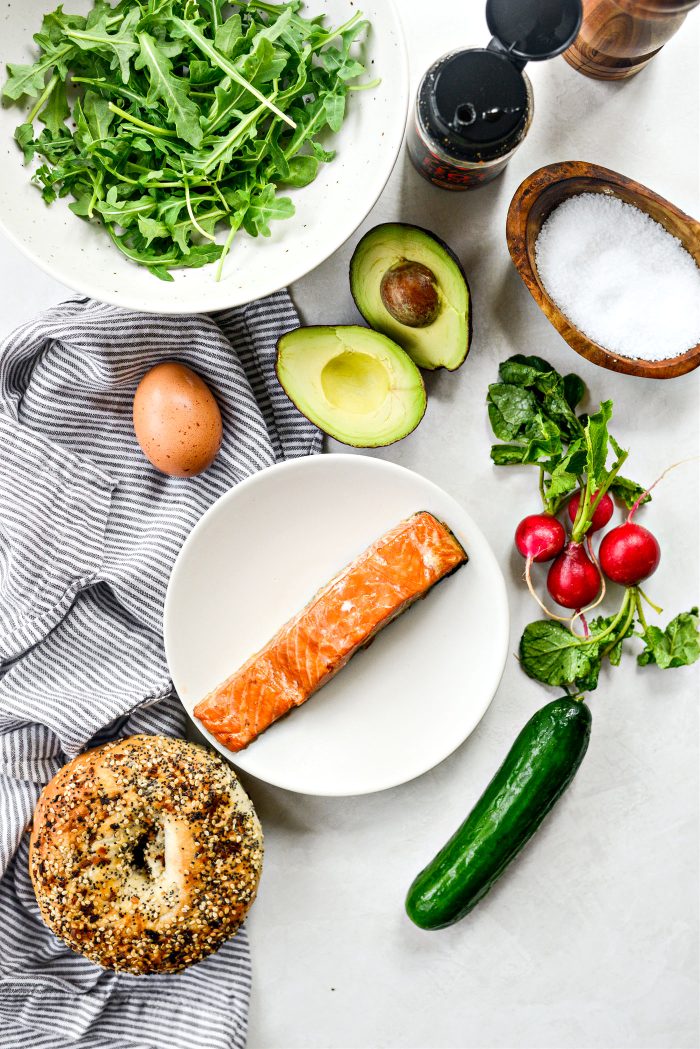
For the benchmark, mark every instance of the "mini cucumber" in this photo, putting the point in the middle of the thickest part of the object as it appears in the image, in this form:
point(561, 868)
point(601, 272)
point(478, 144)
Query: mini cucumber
point(537, 770)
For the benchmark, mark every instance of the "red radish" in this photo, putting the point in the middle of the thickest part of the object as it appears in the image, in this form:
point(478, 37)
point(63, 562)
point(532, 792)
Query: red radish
point(629, 553)
point(601, 515)
point(573, 580)
point(540, 537)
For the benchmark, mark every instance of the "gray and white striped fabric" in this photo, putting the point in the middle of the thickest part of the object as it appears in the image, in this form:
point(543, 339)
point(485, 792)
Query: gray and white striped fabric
point(88, 534)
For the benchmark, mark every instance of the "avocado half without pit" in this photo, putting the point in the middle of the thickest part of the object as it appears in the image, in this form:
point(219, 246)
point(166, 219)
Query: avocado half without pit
point(410, 286)
point(354, 384)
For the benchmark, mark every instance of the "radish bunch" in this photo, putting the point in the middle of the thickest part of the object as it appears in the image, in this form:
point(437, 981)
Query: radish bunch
point(628, 554)
point(533, 413)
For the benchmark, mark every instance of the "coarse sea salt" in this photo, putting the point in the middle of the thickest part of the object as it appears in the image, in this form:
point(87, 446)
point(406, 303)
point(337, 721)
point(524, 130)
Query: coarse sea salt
point(620, 277)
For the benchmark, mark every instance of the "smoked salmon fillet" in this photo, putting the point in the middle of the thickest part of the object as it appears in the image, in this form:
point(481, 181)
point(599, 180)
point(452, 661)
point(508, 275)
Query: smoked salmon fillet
point(311, 648)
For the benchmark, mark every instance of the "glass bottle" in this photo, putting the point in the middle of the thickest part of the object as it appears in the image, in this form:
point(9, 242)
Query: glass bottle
point(475, 106)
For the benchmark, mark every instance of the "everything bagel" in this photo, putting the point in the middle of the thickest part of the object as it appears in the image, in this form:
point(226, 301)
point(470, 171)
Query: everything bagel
point(145, 854)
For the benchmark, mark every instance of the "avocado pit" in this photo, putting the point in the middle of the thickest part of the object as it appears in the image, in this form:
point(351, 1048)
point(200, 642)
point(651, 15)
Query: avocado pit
point(409, 293)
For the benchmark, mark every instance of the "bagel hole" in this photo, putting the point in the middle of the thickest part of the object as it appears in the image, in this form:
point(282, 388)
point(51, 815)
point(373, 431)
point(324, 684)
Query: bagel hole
point(148, 854)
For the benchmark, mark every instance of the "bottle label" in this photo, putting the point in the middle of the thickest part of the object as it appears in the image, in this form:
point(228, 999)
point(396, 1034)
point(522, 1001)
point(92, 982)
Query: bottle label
point(442, 173)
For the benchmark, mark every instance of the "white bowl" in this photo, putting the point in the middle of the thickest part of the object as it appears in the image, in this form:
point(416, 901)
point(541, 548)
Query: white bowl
point(329, 210)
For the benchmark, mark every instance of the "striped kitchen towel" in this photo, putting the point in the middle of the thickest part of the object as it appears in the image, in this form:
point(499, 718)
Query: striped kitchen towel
point(89, 531)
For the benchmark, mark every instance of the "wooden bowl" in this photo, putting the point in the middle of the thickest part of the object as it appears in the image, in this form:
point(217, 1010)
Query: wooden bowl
point(540, 194)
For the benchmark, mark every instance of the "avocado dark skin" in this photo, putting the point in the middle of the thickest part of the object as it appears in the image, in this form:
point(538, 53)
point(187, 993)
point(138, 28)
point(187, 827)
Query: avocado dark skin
point(410, 294)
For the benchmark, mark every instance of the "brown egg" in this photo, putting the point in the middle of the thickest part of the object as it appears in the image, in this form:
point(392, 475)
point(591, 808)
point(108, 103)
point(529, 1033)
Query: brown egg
point(176, 420)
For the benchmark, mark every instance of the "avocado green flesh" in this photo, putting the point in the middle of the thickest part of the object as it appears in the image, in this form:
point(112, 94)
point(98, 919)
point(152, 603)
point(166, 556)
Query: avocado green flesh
point(354, 384)
point(445, 342)
point(537, 770)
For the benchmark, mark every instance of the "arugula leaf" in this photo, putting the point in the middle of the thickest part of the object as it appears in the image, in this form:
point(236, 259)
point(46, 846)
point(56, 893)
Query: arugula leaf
point(676, 646)
point(214, 9)
point(55, 109)
point(302, 170)
point(352, 30)
point(201, 75)
point(150, 229)
point(24, 137)
point(120, 46)
point(125, 212)
point(181, 110)
point(336, 61)
point(83, 205)
point(98, 115)
point(54, 25)
point(551, 654)
point(224, 147)
point(264, 207)
point(228, 34)
point(324, 155)
point(29, 79)
point(334, 106)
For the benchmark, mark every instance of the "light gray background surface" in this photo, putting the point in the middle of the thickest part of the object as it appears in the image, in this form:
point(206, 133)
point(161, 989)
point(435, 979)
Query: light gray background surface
point(591, 939)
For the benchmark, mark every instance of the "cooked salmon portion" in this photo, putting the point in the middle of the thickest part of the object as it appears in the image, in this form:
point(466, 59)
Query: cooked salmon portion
point(379, 585)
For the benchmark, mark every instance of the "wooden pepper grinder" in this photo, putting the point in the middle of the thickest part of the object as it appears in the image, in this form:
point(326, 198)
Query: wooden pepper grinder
point(618, 37)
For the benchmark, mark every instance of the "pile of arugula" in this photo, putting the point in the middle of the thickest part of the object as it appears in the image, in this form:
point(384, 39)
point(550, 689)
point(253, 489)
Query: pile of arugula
point(186, 117)
point(532, 410)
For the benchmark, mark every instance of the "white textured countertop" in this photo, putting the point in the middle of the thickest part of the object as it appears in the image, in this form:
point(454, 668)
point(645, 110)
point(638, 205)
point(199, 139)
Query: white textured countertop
point(591, 938)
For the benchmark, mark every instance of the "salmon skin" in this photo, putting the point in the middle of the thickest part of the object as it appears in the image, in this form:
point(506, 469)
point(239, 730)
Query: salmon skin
point(311, 648)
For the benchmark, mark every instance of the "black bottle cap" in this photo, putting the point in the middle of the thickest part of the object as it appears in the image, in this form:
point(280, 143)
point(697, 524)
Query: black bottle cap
point(533, 30)
point(479, 102)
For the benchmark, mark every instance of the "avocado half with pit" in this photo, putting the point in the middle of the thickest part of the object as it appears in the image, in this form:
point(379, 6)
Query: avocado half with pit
point(410, 286)
point(354, 384)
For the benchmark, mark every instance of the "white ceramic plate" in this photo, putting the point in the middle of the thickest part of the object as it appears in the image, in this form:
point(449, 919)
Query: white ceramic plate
point(399, 707)
point(328, 211)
